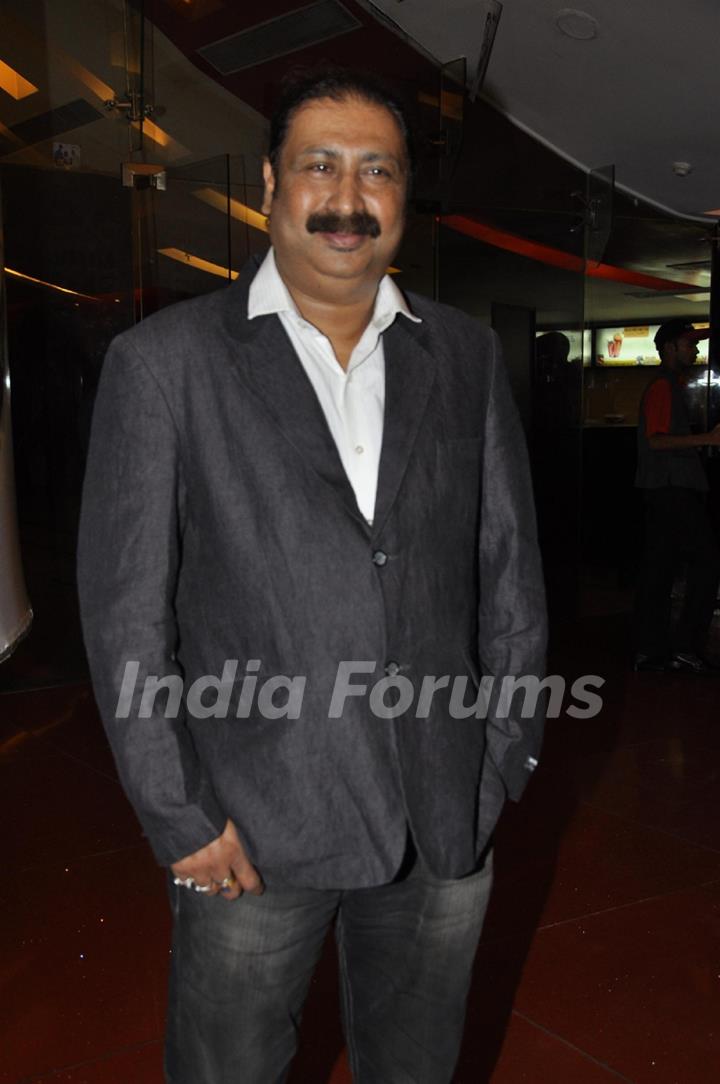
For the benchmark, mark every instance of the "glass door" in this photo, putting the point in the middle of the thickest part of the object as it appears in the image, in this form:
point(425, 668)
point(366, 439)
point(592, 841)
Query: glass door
point(119, 196)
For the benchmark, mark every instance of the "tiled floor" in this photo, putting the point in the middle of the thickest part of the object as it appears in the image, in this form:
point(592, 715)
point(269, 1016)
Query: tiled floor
point(600, 960)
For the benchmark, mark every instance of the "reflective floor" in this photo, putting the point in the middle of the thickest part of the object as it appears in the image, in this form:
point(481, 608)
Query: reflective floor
point(600, 959)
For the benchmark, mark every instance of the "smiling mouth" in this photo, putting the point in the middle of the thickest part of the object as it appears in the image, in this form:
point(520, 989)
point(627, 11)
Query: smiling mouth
point(345, 241)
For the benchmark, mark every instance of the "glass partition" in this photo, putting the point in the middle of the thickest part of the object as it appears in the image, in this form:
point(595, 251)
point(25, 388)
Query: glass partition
point(511, 252)
point(201, 229)
point(130, 180)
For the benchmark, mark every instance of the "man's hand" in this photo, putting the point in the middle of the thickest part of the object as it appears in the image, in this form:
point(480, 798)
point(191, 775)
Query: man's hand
point(222, 862)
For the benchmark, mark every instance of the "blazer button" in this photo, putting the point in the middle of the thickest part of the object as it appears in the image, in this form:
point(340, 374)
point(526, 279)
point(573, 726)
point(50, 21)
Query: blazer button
point(392, 668)
point(379, 558)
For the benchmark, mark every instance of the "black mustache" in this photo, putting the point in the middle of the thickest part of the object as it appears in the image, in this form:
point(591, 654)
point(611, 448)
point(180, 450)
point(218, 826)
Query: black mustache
point(360, 222)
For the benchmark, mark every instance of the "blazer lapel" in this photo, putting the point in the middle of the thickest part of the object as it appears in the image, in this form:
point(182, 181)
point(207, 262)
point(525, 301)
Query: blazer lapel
point(409, 376)
point(266, 363)
point(269, 368)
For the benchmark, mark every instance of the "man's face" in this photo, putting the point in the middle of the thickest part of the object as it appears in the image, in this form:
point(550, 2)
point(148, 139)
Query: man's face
point(337, 207)
point(686, 351)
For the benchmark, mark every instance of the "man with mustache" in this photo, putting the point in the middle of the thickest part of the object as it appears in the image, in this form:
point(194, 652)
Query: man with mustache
point(312, 473)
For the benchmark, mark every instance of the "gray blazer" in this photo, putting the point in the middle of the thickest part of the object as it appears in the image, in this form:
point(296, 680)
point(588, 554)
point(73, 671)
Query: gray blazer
point(218, 524)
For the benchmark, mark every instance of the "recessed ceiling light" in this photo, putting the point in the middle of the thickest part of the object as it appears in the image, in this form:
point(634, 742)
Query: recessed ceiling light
point(577, 24)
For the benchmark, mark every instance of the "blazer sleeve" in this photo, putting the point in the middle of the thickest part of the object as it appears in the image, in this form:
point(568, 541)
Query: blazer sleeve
point(512, 625)
point(128, 558)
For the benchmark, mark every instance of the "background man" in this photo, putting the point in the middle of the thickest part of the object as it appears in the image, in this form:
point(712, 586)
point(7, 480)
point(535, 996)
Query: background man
point(302, 470)
point(677, 527)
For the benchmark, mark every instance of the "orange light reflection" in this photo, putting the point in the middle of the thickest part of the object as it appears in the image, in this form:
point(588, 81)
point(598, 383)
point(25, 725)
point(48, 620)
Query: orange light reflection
point(14, 84)
point(50, 285)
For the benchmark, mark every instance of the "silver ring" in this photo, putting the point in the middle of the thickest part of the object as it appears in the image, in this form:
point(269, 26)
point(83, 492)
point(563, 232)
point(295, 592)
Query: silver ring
point(203, 888)
point(186, 882)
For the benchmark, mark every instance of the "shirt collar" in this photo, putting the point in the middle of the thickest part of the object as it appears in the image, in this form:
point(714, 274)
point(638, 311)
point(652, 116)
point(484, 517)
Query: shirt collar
point(269, 295)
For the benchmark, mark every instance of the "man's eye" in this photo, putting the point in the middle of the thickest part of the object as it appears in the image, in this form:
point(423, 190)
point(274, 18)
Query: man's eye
point(378, 171)
point(320, 167)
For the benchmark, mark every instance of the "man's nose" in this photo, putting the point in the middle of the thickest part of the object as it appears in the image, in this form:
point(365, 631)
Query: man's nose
point(347, 196)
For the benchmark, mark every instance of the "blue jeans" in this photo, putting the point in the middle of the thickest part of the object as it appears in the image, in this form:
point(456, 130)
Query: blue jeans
point(241, 971)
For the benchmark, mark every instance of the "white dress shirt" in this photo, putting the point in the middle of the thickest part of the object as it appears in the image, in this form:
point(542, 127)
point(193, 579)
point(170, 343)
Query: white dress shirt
point(352, 399)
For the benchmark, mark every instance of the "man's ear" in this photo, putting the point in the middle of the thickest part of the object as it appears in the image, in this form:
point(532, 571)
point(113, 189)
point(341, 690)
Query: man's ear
point(269, 179)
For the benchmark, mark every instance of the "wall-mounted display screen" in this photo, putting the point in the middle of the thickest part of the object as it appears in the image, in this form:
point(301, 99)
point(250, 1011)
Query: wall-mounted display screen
point(616, 346)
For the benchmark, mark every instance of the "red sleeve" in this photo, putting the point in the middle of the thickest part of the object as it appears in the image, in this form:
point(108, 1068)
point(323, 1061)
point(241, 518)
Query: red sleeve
point(658, 408)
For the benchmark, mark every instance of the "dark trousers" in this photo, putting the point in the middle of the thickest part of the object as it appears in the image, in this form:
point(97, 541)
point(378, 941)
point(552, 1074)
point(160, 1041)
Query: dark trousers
point(241, 971)
point(677, 531)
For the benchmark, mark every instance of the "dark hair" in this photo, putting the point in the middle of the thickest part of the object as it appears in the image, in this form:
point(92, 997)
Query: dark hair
point(301, 87)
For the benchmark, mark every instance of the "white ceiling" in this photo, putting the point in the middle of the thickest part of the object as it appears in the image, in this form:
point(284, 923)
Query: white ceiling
point(641, 95)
